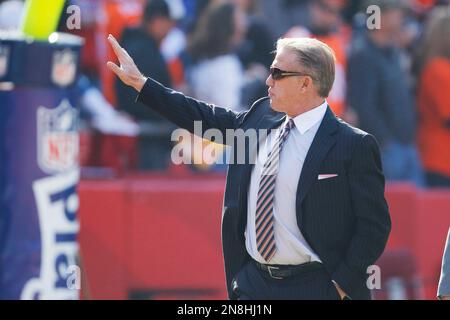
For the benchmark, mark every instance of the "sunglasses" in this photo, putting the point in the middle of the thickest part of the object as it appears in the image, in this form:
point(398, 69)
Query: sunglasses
point(278, 74)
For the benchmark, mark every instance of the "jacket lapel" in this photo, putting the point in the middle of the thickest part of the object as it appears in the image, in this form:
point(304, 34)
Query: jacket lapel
point(323, 141)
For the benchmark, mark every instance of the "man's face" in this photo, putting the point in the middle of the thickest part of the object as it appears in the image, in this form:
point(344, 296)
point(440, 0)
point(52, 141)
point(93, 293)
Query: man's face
point(325, 15)
point(285, 94)
point(160, 27)
point(392, 22)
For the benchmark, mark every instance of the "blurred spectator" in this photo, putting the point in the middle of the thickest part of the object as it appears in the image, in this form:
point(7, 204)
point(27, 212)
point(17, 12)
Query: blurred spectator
point(433, 66)
point(194, 9)
point(325, 24)
point(352, 7)
point(174, 44)
point(143, 44)
point(254, 52)
point(216, 74)
point(284, 14)
point(379, 93)
point(258, 43)
point(171, 49)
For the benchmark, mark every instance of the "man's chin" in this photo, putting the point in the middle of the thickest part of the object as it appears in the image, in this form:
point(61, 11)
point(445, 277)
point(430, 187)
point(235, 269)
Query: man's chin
point(273, 105)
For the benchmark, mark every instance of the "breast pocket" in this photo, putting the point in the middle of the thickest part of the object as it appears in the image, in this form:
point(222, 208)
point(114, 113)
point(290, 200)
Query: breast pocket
point(330, 185)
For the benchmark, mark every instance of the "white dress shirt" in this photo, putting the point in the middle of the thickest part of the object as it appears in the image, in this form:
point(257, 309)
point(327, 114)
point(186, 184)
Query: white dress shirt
point(292, 247)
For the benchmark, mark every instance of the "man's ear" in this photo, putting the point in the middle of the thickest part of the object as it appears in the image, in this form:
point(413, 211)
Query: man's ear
point(305, 83)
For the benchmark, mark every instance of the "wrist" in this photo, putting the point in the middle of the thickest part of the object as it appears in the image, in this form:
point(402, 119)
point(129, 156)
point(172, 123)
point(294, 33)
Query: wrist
point(139, 83)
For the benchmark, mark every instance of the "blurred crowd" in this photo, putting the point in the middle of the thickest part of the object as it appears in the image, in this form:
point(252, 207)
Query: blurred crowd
point(392, 74)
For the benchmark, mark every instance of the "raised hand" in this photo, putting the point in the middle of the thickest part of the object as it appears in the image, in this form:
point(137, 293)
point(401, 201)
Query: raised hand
point(128, 71)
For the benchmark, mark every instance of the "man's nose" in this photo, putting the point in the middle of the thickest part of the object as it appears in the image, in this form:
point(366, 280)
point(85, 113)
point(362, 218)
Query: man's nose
point(269, 81)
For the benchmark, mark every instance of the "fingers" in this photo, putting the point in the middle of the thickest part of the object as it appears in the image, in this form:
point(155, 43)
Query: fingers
point(120, 52)
point(114, 68)
point(116, 47)
point(126, 70)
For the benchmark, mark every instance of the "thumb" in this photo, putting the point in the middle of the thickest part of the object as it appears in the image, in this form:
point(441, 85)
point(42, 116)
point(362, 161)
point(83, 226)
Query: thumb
point(114, 68)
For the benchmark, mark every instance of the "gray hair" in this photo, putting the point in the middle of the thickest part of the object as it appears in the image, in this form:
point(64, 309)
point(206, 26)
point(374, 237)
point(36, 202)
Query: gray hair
point(316, 58)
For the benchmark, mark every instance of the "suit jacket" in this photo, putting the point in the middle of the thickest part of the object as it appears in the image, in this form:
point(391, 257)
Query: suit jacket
point(345, 219)
point(444, 281)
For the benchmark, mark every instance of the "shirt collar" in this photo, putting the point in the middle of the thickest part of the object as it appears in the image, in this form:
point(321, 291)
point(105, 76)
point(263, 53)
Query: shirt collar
point(305, 121)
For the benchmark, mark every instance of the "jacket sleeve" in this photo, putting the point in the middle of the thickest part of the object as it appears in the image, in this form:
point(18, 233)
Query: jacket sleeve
point(373, 223)
point(183, 110)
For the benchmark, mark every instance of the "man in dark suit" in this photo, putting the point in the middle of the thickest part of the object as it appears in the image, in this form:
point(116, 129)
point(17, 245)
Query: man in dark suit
point(305, 215)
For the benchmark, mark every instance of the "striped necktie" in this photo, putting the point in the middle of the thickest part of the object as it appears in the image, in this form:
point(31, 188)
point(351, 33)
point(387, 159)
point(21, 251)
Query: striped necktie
point(265, 236)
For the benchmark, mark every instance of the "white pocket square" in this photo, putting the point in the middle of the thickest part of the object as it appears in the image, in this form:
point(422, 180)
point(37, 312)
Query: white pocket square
point(326, 176)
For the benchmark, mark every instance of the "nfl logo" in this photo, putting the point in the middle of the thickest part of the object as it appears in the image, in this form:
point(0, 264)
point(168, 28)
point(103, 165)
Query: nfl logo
point(57, 134)
point(4, 57)
point(64, 67)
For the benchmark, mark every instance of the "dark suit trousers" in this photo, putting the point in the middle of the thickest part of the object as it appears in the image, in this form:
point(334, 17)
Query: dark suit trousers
point(253, 284)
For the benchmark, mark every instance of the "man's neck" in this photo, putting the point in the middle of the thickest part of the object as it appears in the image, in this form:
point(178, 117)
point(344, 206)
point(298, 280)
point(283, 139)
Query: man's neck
point(307, 106)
